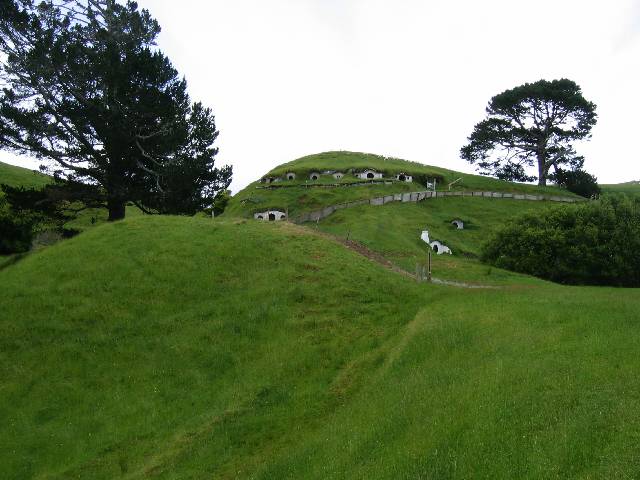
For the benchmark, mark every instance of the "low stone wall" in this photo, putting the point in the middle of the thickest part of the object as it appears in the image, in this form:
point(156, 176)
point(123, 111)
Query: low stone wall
point(425, 195)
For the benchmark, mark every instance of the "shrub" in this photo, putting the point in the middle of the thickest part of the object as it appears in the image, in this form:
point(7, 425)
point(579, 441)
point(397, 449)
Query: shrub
point(577, 181)
point(220, 202)
point(26, 212)
point(425, 178)
point(16, 230)
point(595, 243)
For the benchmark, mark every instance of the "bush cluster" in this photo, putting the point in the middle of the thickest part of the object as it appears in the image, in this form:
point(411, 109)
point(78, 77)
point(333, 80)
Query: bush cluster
point(577, 181)
point(27, 212)
point(16, 230)
point(595, 243)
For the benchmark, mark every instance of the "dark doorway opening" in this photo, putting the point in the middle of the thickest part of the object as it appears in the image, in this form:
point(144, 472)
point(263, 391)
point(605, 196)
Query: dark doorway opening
point(370, 175)
point(272, 217)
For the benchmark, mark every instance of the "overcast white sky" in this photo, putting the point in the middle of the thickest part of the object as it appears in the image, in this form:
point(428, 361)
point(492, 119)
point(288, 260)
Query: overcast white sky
point(403, 78)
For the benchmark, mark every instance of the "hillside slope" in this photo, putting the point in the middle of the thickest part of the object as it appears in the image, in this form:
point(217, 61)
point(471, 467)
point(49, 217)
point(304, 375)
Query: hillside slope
point(394, 231)
point(136, 347)
point(21, 177)
point(628, 188)
point(169, 347)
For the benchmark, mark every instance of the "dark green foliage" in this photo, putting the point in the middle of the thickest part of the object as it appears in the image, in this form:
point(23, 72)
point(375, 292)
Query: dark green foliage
point(16, 230)
point(88, 89)
point(26, 211)
point(595, 243)
point(577, 181)
point(427, 178)
point(533, 124)
point(220, 202)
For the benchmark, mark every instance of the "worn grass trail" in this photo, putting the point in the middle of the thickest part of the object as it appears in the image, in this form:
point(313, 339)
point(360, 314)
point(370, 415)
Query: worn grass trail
point(492, 385)
point(393, 232)
point(376, 257)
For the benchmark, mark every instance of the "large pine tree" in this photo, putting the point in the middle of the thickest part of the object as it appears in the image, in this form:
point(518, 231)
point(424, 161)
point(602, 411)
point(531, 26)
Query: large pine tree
point(85, 86)
point(535, 124)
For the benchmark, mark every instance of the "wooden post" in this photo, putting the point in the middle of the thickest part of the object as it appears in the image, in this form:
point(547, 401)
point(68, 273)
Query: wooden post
point(429, 267)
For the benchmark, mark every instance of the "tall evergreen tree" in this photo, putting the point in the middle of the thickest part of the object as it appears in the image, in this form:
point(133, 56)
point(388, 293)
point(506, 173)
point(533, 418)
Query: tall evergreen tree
point(85, 86)
point(533, 124)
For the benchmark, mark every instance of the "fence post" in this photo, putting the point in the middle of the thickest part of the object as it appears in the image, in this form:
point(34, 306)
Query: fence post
point(429, 268)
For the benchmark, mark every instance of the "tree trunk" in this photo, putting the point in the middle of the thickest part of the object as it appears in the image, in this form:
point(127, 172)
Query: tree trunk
point(116, 208)
point(542, 169)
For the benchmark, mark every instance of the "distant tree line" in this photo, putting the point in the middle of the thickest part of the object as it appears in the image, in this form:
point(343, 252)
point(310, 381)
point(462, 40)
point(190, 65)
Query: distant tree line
point(593, 243)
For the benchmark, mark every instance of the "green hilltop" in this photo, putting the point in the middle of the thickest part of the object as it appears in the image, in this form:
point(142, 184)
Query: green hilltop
point(303, 195)
point(174, 347)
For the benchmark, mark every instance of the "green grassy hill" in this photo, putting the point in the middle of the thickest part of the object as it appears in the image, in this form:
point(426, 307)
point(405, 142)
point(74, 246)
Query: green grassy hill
point(18, 176)
point(297, 196)
point(173, 347)
point(165, 347)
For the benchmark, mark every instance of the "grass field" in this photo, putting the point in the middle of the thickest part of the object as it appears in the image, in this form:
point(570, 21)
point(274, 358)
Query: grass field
point(166, 347)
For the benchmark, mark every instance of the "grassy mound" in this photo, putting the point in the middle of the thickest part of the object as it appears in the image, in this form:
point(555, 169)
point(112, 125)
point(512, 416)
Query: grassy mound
point(297, 196)
point(189, 348)
point(170, 345)
point(22, 177)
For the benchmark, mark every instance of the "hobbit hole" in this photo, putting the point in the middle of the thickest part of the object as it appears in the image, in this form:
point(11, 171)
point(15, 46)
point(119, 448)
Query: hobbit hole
point(270, 215)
